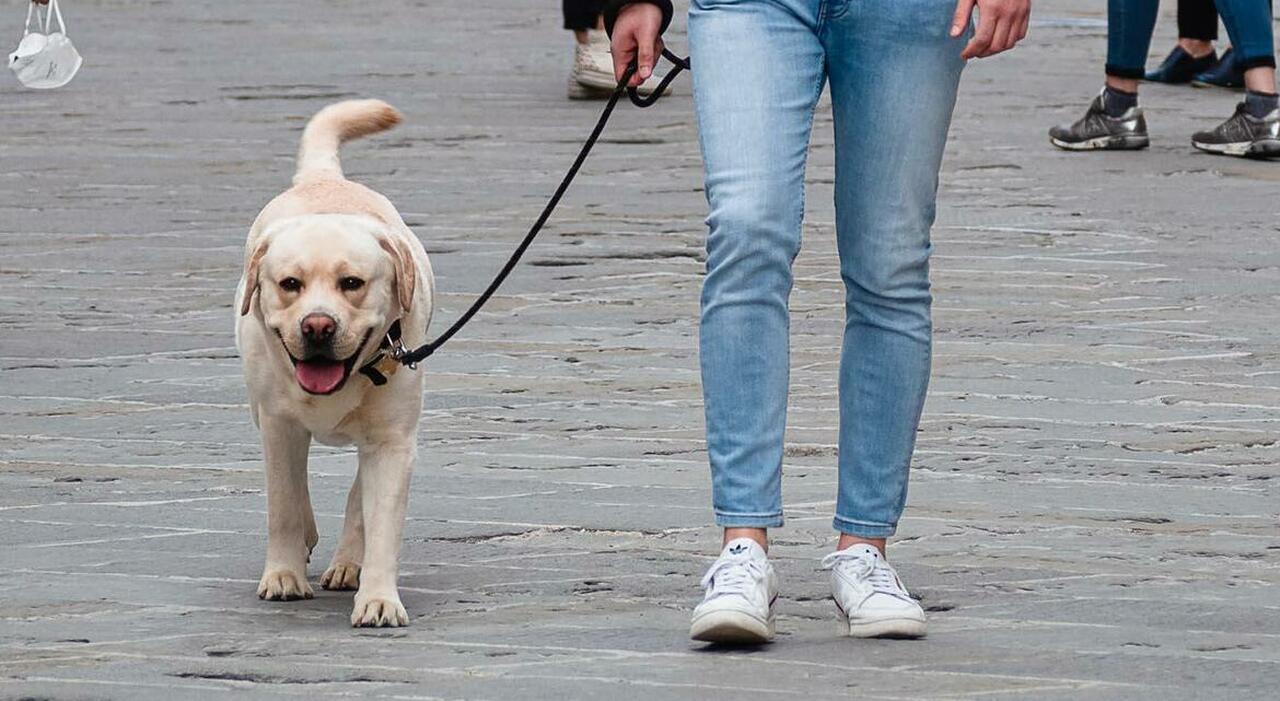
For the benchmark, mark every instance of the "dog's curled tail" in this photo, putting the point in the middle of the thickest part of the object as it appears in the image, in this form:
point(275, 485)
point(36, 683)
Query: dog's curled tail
point(335, 125)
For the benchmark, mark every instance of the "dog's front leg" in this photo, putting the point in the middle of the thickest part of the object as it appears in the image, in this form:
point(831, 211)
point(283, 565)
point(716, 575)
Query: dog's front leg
point(385, 469)
point(285, 444)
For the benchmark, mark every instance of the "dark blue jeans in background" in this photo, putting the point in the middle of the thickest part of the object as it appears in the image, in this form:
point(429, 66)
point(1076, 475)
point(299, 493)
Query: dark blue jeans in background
point(1130, 23)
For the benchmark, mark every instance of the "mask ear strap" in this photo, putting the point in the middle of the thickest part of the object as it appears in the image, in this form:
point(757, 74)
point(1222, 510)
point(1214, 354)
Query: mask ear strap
point(54, 11)
point(26, 28)
point(42, 23)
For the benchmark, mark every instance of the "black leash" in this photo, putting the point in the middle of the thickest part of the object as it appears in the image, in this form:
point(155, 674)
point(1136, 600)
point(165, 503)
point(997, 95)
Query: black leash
point(405, 356)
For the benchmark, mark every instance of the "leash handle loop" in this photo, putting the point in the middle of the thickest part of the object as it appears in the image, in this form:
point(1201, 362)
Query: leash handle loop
point(417, 355)
point(678, 64)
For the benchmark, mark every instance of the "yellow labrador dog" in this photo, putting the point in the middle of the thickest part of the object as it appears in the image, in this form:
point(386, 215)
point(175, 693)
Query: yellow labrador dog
point(330, 270)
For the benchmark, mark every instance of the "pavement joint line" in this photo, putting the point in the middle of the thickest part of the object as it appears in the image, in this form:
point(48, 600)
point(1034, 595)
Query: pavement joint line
point(126, 504)
point(124, 539)
point(112, 682)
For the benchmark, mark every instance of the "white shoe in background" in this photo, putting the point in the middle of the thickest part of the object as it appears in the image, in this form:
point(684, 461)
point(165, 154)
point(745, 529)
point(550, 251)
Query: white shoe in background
point(592, 73)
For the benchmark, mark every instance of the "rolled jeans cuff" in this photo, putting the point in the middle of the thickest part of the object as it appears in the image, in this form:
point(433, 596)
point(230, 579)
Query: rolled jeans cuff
point(1122, 72)
point(1257, 61)
point(725, 519)
point(863, 529)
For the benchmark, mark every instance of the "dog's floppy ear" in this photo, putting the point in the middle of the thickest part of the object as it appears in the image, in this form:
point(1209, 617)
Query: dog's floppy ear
point(406, 272)
point(251, 277)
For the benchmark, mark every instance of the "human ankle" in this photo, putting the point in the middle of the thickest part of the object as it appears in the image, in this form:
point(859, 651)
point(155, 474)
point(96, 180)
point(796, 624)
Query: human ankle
point(1260, 104)
point(1117, 101)
point(1198, 48)
point(1123, 85)
point(759, 535)
point(1260, 79)
point(848, 541)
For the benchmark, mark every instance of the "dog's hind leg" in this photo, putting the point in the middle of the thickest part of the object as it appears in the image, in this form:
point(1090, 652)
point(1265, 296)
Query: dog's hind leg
point(344, 569)
point(385, 468)
point(284, 577)
point(312, 533)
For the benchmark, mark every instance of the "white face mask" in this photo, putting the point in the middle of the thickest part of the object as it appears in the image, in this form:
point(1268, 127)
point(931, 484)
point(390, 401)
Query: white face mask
point(45, 59)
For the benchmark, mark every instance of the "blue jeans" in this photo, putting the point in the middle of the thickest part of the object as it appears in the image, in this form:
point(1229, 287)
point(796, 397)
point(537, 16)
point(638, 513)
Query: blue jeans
point(759, 67)
point(1130, 23)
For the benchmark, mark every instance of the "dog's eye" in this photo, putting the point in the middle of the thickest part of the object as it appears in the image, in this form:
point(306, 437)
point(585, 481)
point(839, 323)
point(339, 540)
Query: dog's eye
point(291, 284)
point(350, 284)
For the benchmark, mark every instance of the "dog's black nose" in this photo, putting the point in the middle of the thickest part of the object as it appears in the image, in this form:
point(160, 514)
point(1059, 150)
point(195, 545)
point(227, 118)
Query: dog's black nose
point(318, 328)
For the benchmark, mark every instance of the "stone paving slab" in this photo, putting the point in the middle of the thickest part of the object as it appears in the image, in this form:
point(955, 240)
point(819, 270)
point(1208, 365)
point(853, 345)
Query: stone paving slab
point(1093, 511)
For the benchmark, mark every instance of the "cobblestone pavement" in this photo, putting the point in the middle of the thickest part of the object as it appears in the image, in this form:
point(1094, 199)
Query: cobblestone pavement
point(1093, 512)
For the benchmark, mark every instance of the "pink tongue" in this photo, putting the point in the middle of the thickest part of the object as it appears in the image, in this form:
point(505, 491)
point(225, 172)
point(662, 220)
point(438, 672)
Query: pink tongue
point(318, 376)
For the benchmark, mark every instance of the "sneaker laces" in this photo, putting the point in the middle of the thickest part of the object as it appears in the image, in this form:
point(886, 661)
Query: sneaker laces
point(862, 566)
point(732, 575)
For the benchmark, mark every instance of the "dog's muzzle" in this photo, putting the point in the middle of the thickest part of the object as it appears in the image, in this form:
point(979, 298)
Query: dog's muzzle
point(321, 372)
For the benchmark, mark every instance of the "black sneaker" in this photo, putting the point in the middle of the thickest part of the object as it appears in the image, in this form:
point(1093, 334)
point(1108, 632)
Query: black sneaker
point(1098, 131)
point(1243, 135)
point(1227, 74)
point(1180, 67)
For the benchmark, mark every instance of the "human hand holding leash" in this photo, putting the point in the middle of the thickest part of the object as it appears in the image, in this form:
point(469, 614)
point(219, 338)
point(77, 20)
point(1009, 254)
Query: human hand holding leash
point(1001, 25)
point(636, 37)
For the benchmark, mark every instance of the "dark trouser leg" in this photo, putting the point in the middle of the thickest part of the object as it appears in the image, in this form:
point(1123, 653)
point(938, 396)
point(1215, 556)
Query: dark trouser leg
point(1197, 19)
point(1248, 24)
point(582, 14)
point(1129, 27)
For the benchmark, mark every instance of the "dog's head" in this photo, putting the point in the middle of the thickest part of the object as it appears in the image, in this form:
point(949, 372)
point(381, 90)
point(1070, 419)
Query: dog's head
point(328, 286)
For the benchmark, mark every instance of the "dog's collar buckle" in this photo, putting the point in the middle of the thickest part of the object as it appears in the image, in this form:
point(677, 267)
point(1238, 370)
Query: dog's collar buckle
point(396, 348)
point(388, 359)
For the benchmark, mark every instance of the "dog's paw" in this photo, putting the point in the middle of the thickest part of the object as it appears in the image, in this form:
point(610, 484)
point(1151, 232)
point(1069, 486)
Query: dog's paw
point(341, 576)
point(379, 612)
point(283, 585)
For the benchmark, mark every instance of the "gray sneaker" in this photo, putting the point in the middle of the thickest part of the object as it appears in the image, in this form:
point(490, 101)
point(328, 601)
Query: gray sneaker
point(1096, 130)
point(1243, 135)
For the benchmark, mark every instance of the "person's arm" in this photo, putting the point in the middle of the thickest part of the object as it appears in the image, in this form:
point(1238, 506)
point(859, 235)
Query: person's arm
point(636, 30)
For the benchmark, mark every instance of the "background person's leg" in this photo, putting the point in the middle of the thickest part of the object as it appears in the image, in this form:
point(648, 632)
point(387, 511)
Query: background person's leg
point(1194, 54)
point(759, 73)
point(1249, 26)
point(1230, 70)
point(581, 15)
point(1113, 120)
point(592, 73)
point(894, 73)
point(1254, 130)
point(1129, 27)
point(1197, 20)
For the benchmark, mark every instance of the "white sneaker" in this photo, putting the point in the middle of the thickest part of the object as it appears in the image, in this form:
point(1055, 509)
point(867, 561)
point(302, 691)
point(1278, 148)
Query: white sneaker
point(578, 91)
point(592, 74)
point(869, 593)
point(593, 64)
point(741, 590)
